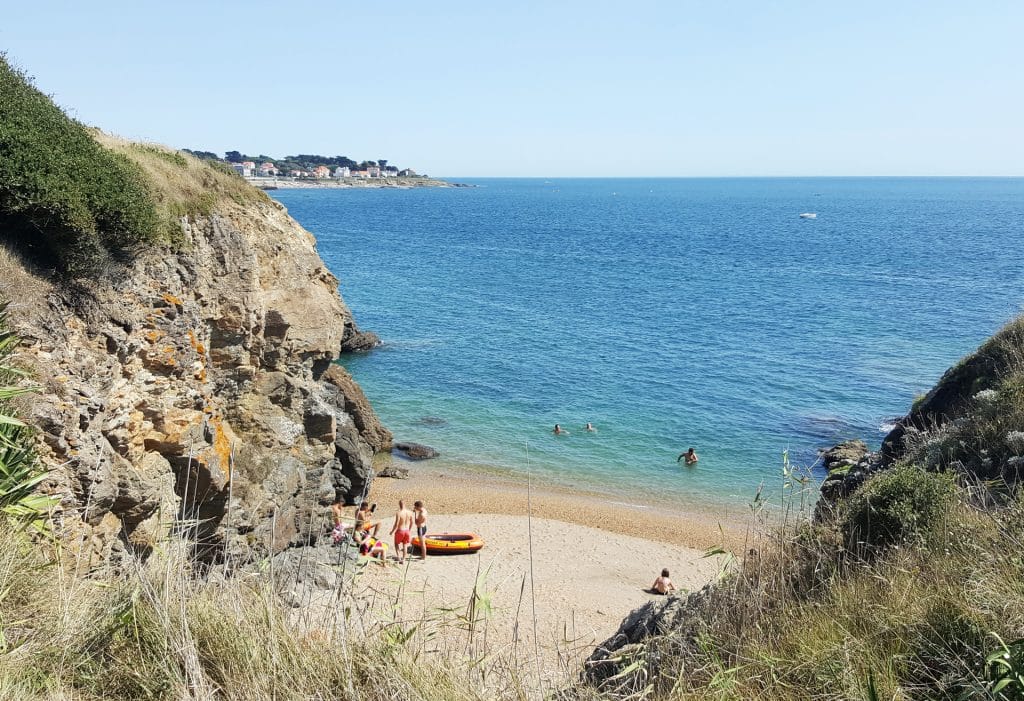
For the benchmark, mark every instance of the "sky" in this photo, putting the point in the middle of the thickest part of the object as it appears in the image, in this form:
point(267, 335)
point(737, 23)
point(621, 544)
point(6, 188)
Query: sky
point(548, 89)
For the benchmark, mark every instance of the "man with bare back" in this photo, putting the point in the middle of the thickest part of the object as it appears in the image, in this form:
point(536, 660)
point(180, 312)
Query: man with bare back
point(402, 530)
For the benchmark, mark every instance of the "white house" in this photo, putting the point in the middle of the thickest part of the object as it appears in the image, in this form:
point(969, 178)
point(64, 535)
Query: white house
point(342, 172)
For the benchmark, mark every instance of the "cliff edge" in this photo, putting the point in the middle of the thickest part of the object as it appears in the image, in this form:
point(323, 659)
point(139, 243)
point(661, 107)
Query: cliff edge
point(191, 386)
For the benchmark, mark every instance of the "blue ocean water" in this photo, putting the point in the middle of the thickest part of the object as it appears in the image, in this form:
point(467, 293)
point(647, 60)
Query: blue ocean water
point(668, 312)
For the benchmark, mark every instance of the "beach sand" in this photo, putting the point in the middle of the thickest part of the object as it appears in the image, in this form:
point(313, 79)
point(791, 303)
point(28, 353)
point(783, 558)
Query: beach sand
point(592, 560)
point(584, 582)
point(462, 490)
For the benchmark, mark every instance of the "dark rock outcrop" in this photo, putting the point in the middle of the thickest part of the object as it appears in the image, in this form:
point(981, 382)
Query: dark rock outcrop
point(675, 622)
point(356, 341)
point(415, 451)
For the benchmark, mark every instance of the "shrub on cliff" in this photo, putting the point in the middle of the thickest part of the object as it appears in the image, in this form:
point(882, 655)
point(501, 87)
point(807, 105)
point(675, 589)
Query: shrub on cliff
point(64, 199)
point(897, 506)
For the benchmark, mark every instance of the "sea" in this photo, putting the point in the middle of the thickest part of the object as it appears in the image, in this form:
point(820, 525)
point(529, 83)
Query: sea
point(668, 313)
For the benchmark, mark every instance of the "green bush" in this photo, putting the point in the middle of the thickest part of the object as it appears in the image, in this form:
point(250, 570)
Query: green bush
point(896, 506)
point(64, 199)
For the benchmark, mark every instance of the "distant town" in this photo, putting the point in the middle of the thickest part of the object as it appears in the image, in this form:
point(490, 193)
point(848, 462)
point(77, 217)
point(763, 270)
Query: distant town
point(310, 167)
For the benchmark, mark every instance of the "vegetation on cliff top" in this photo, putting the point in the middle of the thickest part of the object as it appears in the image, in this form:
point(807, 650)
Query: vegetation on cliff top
point(72, 199)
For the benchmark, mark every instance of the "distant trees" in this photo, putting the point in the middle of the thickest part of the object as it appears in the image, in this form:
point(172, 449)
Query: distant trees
point(203, 155)
point(302, 161)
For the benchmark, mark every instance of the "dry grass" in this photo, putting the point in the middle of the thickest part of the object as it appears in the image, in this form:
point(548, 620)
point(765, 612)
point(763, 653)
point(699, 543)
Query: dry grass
point(161, 631)
point(181, 184)
point(21, 283)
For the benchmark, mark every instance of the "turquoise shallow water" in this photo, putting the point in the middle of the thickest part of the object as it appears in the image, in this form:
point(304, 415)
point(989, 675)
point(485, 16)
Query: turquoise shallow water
point(667, 312)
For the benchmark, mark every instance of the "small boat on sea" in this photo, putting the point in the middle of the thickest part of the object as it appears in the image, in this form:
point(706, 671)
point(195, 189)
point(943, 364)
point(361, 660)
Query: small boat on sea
point(450, 543)
point(809, 215)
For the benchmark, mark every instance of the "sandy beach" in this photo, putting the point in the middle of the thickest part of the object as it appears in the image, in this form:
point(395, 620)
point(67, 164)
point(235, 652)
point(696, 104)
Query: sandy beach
point(577, 567)
point(461, 490)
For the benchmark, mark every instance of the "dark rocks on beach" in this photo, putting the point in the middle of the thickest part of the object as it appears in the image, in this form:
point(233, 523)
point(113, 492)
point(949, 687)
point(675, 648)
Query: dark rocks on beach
point(416, 451)
point(627, 659)
point(393, 471)
point(301, 573)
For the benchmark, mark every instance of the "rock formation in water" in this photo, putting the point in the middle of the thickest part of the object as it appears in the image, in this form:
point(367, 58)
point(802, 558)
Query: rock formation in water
point(195, 388)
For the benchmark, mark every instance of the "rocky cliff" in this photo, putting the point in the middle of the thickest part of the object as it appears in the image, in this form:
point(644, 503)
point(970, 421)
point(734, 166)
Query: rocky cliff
point(194, 388)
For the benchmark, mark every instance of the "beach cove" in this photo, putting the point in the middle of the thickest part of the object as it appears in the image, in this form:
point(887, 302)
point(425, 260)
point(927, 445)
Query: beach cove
point(669, 312)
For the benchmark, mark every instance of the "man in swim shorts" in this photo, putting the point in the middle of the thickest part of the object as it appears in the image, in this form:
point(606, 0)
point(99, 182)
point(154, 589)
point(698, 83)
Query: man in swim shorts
point(402, 531)
point(421, 527)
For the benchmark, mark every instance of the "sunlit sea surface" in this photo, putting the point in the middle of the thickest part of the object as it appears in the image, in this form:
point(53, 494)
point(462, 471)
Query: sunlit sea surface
point(668, 312)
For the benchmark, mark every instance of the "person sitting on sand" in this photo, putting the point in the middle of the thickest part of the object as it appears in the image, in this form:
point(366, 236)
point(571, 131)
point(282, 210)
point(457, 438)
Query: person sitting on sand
point(421, 527)
point(690, 455)
point(663, 585)
point(365, 522)
point(559, 431)
point(402, 529)
point(371, 547)
point(590, 427)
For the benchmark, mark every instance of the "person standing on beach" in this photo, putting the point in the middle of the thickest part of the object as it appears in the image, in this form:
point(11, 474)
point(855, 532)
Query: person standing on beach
point(690, 455)
point(402, 531)
point(421, 527)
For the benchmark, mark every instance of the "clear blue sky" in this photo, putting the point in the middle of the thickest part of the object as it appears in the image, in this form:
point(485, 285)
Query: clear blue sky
point(549, 88)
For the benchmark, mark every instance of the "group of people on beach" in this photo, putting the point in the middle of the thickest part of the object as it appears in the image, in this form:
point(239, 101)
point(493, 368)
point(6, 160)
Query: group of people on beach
point(366, 529)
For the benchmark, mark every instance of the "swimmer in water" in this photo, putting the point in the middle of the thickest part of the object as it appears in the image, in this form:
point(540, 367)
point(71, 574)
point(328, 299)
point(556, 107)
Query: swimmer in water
point(559, 431)
point(690, 455)
point(590, 427)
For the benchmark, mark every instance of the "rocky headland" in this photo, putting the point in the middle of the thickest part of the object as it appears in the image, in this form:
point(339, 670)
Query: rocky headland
point(196, 383)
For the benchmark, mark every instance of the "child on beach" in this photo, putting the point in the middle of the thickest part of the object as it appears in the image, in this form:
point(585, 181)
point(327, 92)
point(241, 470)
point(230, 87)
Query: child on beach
point(421, 527)
point(663, 585)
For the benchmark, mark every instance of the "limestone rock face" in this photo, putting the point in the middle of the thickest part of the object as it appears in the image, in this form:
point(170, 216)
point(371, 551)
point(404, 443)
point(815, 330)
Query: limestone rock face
point(195, 390)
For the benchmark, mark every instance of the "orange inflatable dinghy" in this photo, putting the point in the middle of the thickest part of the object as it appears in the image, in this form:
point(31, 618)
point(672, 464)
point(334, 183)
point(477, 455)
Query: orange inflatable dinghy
point(450, 543)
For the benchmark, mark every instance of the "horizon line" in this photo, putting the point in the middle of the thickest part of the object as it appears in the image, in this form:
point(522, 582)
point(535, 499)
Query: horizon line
point(714, 177)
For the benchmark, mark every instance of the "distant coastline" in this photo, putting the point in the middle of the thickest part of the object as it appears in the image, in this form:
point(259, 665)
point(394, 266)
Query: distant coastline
point(289, 183)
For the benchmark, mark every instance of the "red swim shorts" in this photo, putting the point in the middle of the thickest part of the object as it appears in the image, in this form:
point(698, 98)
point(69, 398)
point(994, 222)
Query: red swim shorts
point(402, 536)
